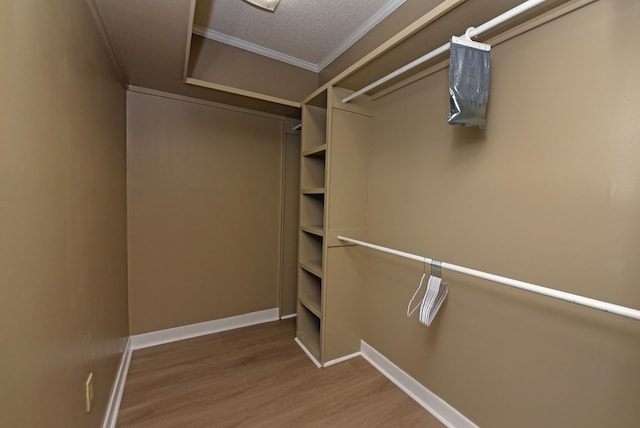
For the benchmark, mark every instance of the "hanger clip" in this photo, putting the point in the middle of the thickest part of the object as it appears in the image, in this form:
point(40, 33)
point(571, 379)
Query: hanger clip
point(466, 40)
point(436, 268)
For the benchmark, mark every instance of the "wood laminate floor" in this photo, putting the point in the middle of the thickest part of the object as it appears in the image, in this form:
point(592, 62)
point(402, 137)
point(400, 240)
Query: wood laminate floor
point(258, 377)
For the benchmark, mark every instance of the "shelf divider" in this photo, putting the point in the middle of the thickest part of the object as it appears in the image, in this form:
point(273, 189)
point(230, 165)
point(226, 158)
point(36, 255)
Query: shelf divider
point(316, 151)
point(312, 266)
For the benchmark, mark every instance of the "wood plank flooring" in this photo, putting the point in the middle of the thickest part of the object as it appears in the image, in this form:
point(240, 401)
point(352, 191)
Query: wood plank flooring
point(258, 377)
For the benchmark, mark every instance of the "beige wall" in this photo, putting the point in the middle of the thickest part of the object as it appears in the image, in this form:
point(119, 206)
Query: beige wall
point(63, 275)
point(548, 193)
point(203, 212)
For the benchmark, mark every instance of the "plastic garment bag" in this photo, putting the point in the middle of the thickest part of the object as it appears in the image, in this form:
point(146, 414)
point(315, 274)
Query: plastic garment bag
point(469, 74)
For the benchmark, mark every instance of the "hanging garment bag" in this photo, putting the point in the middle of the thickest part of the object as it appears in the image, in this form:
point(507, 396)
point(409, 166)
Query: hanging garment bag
point(469, 73)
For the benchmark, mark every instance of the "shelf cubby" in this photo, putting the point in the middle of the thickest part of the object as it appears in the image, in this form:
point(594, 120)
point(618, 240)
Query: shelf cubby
point(312, 171)
point(308, 330)
point(310, 292)
point(312, 210)
point(310, 246)
point(314, 130)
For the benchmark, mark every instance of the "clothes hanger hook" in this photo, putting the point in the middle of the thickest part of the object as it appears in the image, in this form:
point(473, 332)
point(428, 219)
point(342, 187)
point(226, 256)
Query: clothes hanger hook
point(467, 34)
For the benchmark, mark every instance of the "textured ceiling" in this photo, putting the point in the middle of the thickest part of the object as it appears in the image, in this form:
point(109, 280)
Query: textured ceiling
point(312, 31)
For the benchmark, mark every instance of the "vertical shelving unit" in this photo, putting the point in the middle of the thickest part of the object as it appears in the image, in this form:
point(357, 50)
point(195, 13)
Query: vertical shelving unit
point(334, 170)
point(313, 167)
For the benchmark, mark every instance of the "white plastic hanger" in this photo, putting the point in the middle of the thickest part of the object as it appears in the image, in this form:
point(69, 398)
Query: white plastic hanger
point(433, 287)
point(435, 293)
point(409, 310)
point(466, 40)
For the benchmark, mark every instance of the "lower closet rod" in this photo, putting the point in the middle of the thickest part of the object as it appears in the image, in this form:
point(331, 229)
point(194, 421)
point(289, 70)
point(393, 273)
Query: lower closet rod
point(538, 289)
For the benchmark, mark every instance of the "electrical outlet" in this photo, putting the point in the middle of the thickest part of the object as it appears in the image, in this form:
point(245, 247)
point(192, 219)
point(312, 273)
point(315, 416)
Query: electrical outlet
point(88, 392)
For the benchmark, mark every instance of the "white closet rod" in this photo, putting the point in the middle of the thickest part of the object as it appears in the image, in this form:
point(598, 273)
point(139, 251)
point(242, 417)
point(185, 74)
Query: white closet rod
point(511, 13)
point(550, 292)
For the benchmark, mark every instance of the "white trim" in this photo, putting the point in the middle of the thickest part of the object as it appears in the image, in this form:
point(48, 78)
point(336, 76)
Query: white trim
point(184, 98)
point(341, 359)
point(385, 11)
point(115, 397)
point(160, 337)
point(427, 399)
point(309, 354)
point(286, 317)
point(252, 47)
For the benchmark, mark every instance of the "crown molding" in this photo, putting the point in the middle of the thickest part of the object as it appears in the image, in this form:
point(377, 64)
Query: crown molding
point(252, 47)
point(384, 12)
point(387, 10)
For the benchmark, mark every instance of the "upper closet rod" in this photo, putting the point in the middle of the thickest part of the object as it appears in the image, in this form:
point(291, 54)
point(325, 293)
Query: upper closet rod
point(550, 292)
point(521, 8)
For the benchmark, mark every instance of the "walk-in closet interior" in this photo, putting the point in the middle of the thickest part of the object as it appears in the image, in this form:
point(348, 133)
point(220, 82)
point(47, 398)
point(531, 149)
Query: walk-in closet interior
point(160, 181)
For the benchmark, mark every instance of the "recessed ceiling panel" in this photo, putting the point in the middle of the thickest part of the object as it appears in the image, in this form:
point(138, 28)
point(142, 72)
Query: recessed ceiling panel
point(311, 31)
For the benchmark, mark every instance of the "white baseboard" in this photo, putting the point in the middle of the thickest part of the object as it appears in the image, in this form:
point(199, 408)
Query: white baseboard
point(309, 354)
point(146, 340)
point(427, 399)
point(115, 397)
point(286, 317)
point(341, 359)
